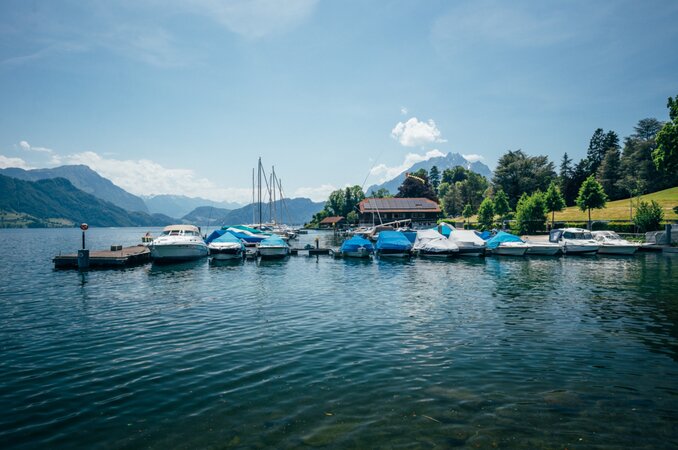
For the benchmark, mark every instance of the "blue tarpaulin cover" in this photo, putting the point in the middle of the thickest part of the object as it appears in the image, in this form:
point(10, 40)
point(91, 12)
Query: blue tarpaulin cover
point(356, 242)
point(445, 229)
point(247, 236)
point(393, 240)
point(273, 241)
point(215, 234)
point(227, 237)
point(484, 235)
point(500, 237)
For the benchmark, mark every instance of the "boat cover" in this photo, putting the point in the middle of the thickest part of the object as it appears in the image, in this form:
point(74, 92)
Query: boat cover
point(432, 241)
point(501, 237)
point(246, 235)
point(245, 228)
point(393, 240)
point(273, 241)
point(445, 229)
point(484, 235)
point(214, 235)
point(356, 242)
point(467, 236)
point(227, 237)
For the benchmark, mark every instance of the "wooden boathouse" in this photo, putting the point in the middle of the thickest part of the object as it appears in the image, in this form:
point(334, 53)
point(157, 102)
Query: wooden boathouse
point(420, 211)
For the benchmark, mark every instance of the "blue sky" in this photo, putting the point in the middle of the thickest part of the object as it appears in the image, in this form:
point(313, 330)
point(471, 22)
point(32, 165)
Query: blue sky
point(183, 96)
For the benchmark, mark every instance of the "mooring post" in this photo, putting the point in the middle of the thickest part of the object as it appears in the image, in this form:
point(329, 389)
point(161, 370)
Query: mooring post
point(83, 254)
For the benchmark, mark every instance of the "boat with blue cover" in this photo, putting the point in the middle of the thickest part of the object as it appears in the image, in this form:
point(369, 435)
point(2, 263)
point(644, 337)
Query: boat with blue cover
point(506, 244)
point(224, 245)
point(393, 244)
point(357, 247)
point(273, 247)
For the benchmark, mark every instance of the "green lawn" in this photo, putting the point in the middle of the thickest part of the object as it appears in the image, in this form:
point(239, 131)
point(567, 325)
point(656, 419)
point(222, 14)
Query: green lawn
point(620, 209)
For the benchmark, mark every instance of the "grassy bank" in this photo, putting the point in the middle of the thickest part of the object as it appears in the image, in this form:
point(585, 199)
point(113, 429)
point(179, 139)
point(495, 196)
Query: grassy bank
point(620, 209)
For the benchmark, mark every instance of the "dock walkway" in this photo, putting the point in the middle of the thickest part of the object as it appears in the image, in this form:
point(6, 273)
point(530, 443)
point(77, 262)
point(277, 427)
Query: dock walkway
point(101, 259)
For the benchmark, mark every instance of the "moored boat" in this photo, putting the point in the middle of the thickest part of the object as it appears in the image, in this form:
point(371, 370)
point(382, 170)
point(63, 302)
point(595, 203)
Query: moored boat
point(178, 243)
point(506, 244)
point(356, 247)
point(226, 246)
point(431, 244)
point(574, 241)
point(612, 244)
point(393, 244)
point(469, 243)
point(273, 247)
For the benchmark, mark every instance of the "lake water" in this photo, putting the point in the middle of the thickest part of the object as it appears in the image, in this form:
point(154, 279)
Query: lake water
point(313, 352)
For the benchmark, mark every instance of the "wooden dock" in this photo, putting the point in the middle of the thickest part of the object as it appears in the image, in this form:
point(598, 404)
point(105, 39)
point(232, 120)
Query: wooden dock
point(106, 259)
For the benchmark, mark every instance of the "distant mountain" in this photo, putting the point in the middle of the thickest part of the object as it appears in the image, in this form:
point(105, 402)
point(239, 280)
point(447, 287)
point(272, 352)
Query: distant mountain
point(180, 205)
point(442, 162)
point(85, 179)
point(295, 211)
point(56, 201)
point(206, 215)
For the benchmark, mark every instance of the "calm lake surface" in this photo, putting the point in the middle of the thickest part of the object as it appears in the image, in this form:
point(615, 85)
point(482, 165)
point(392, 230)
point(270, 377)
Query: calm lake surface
point(312, 352)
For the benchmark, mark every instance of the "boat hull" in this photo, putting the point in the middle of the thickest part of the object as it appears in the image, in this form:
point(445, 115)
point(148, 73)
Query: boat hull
point(360, 253)
point(178, 252)
point(543, 250)
point(509, 251)
point(617, 249)
point(439, 255)
point(393, 253)
point(575, 249)
point(226, 253)
point(273, 252)
point(471, 251)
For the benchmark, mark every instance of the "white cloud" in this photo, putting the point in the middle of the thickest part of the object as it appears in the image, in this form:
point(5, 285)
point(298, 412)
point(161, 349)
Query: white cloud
point(317, 194)
point(255, 18)
point(414, 133)
point(146, 177)
point(29, 148)
point(403, 111)
point(6, 162)
point(386, 173)
point(473, 157)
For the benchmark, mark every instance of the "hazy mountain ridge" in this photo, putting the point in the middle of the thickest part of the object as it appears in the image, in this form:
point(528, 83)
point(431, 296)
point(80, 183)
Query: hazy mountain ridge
point(181, 205)
point(57, 198)
point(294, 211)
point(442, 162)
point(84, 179)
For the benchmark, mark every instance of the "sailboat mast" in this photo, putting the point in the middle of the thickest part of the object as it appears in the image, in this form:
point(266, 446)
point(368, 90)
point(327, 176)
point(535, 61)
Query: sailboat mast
point(253, 218)
point(259, 189)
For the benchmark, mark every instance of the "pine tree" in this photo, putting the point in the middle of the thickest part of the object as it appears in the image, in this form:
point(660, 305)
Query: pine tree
point(434, 177)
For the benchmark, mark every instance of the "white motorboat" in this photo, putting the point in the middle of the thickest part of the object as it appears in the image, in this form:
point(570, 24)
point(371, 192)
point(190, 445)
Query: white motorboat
point(574, 241)
point(542, 248)
point(431, 244)
point(273, 247)
point(506, 244)
point(469, 243)
point(178, 243)
point(226, 246)
point(612, 244)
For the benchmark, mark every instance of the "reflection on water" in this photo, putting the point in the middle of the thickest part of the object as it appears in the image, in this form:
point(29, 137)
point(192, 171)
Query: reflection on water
point(322, 352)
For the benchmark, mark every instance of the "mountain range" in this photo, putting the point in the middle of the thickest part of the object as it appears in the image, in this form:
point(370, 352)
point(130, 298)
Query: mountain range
point(295, 211)
point(180, 205)
point(85, 179)
point(448, 161)
point(56, 201)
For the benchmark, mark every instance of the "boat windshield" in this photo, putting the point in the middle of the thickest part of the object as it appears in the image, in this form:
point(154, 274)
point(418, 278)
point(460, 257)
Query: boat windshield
point(179, 233)
point(577, 235)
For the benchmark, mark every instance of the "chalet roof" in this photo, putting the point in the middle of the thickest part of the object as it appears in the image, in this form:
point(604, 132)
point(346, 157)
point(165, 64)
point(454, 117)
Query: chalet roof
point(398, 205)
point(331, 220)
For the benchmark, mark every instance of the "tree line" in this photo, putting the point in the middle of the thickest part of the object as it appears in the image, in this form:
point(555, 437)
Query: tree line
point(525, 188)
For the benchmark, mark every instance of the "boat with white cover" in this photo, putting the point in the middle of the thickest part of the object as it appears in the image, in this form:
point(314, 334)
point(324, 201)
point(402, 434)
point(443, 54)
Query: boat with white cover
point(612, 244)
point(506, 244)
point(273, 247)
point(574, 241)
point(431, 244)
point(469, 243)
point(178, 243)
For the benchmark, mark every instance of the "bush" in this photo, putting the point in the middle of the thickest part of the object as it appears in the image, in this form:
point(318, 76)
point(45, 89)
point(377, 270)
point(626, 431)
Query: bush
point(648, 216)
point(530, 214)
